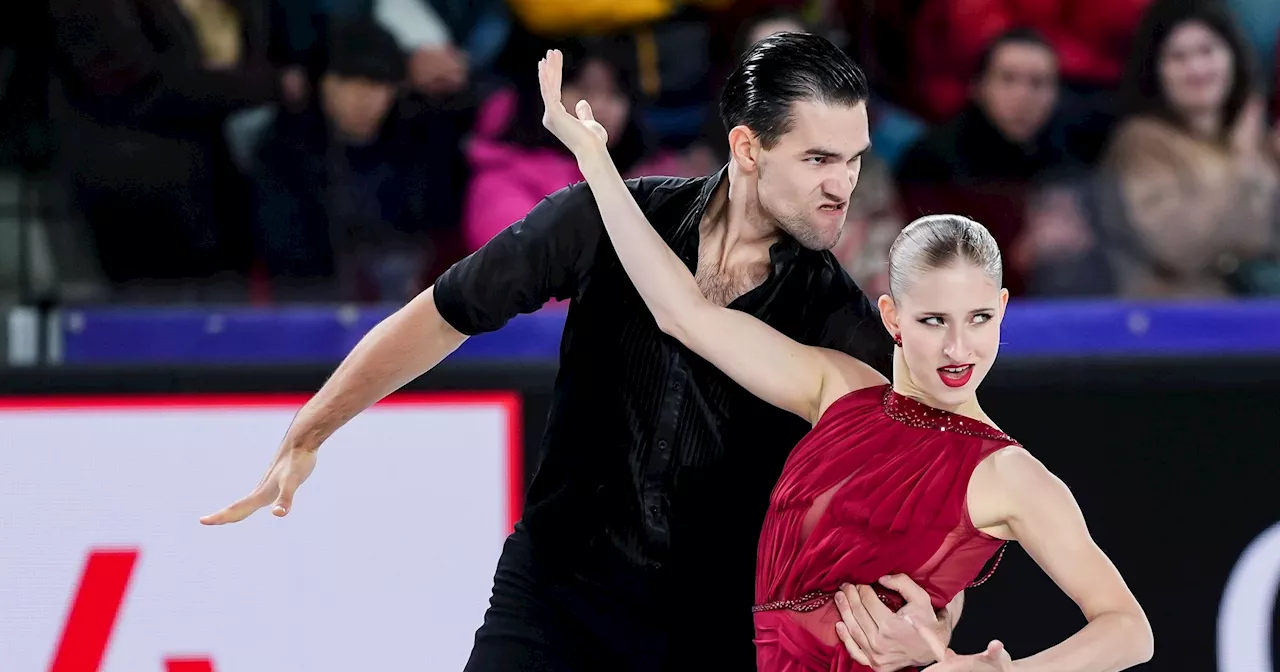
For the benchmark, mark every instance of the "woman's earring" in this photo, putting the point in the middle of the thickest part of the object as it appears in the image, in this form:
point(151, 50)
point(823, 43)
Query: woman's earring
point(897, 339)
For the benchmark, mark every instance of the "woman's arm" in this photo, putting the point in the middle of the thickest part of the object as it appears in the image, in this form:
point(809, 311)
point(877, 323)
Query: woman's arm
point(794, 377)
point(1012, 495)
point(791, 376)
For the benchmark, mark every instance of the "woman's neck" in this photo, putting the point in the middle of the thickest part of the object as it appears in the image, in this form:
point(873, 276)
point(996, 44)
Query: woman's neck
point(906, 386)
point(1205, 124)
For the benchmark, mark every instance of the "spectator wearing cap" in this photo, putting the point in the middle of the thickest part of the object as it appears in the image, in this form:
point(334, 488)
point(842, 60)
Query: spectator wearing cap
point(356, 195)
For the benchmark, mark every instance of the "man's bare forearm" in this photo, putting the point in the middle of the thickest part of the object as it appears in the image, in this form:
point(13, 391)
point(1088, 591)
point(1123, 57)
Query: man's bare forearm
point(399, 349)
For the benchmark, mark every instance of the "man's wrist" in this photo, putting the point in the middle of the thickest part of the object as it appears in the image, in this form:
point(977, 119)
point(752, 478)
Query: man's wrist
point(305, 435)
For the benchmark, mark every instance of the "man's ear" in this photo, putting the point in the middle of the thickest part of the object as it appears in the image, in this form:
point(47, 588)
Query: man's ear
point(744, 146)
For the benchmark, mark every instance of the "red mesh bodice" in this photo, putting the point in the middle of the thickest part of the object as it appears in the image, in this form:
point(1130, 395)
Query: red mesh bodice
point(877, 487)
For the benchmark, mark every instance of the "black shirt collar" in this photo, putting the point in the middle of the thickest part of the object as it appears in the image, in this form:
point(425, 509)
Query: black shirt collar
point(780, 253)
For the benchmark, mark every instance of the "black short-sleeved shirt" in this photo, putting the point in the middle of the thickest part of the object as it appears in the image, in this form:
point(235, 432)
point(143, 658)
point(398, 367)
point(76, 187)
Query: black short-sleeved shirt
point(652, 456)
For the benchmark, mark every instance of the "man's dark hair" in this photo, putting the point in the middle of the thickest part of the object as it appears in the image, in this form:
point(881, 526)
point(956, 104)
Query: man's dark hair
point(1024, 36)
point(784, 69)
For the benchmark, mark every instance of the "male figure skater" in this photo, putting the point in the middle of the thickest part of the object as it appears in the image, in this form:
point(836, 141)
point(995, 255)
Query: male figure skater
point(638, 543)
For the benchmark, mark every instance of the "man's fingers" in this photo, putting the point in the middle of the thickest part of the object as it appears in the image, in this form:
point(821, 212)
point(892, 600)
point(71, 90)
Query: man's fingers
point(868, 626)
point(875, 608)
point(237, 511)
point(930, 637)
point(842, 631)
point(846, 603)
point(284, 501)
point(908, 589)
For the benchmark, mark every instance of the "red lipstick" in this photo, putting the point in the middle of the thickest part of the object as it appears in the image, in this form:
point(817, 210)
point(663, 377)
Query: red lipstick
point(955, 376)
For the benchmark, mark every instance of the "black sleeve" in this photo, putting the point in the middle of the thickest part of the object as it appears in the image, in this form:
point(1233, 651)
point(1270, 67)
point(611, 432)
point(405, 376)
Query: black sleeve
point(853, 324)
point(543, 256)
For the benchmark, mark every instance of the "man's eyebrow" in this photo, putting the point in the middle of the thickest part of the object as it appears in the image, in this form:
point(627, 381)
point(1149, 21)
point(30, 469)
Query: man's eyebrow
point(829, 153)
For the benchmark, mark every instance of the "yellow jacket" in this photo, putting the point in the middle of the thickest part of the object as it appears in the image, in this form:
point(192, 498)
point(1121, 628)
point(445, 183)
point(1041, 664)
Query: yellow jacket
point(571, 17)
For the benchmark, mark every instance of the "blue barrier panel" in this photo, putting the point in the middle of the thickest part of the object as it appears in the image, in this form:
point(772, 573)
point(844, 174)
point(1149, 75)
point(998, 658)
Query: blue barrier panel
point(307, 335)
point(1103, 328)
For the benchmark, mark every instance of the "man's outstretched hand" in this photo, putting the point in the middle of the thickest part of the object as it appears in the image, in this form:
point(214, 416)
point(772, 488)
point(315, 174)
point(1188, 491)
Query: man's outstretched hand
point(291, 467)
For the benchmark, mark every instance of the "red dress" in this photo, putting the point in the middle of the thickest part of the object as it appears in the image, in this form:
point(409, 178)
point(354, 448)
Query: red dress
point(877, 487)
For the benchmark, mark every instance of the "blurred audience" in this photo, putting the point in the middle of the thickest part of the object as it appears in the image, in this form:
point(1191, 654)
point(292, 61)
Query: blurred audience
point(1260, 22)
point(450, 42)
point(353, 149)
point(356, 194)
point(437, 65)
point(950, 37)
point(874, 220)
point(515, 162)
point(141, 91)
point(1006, 143)
point(566, 18)
point(1193, 211)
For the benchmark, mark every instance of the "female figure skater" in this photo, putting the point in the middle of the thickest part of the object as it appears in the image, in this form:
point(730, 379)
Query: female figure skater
point(907, 478)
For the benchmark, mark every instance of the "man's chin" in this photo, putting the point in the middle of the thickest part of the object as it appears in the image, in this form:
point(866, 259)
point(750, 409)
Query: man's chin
point(818, 242)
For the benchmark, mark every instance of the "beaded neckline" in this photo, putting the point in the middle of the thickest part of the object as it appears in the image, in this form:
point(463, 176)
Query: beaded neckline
point(913, 413)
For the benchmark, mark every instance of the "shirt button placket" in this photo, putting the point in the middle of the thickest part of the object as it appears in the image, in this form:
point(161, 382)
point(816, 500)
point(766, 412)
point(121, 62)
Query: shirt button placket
point(659, 463)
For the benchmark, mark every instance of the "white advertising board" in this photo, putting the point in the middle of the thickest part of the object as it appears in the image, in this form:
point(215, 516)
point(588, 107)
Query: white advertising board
point(385, 563)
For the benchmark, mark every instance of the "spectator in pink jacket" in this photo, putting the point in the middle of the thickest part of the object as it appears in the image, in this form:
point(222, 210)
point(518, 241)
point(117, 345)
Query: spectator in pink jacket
point(515, 162)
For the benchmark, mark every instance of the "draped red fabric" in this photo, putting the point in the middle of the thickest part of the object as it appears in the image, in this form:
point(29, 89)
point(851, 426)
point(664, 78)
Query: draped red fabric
point(877, 487)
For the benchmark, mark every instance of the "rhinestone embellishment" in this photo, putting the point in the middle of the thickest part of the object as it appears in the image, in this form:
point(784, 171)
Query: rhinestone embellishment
point(912, 413)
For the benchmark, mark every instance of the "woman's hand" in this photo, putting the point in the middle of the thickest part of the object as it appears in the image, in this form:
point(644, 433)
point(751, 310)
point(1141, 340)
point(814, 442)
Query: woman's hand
point(582, 135)
point(994, 659)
